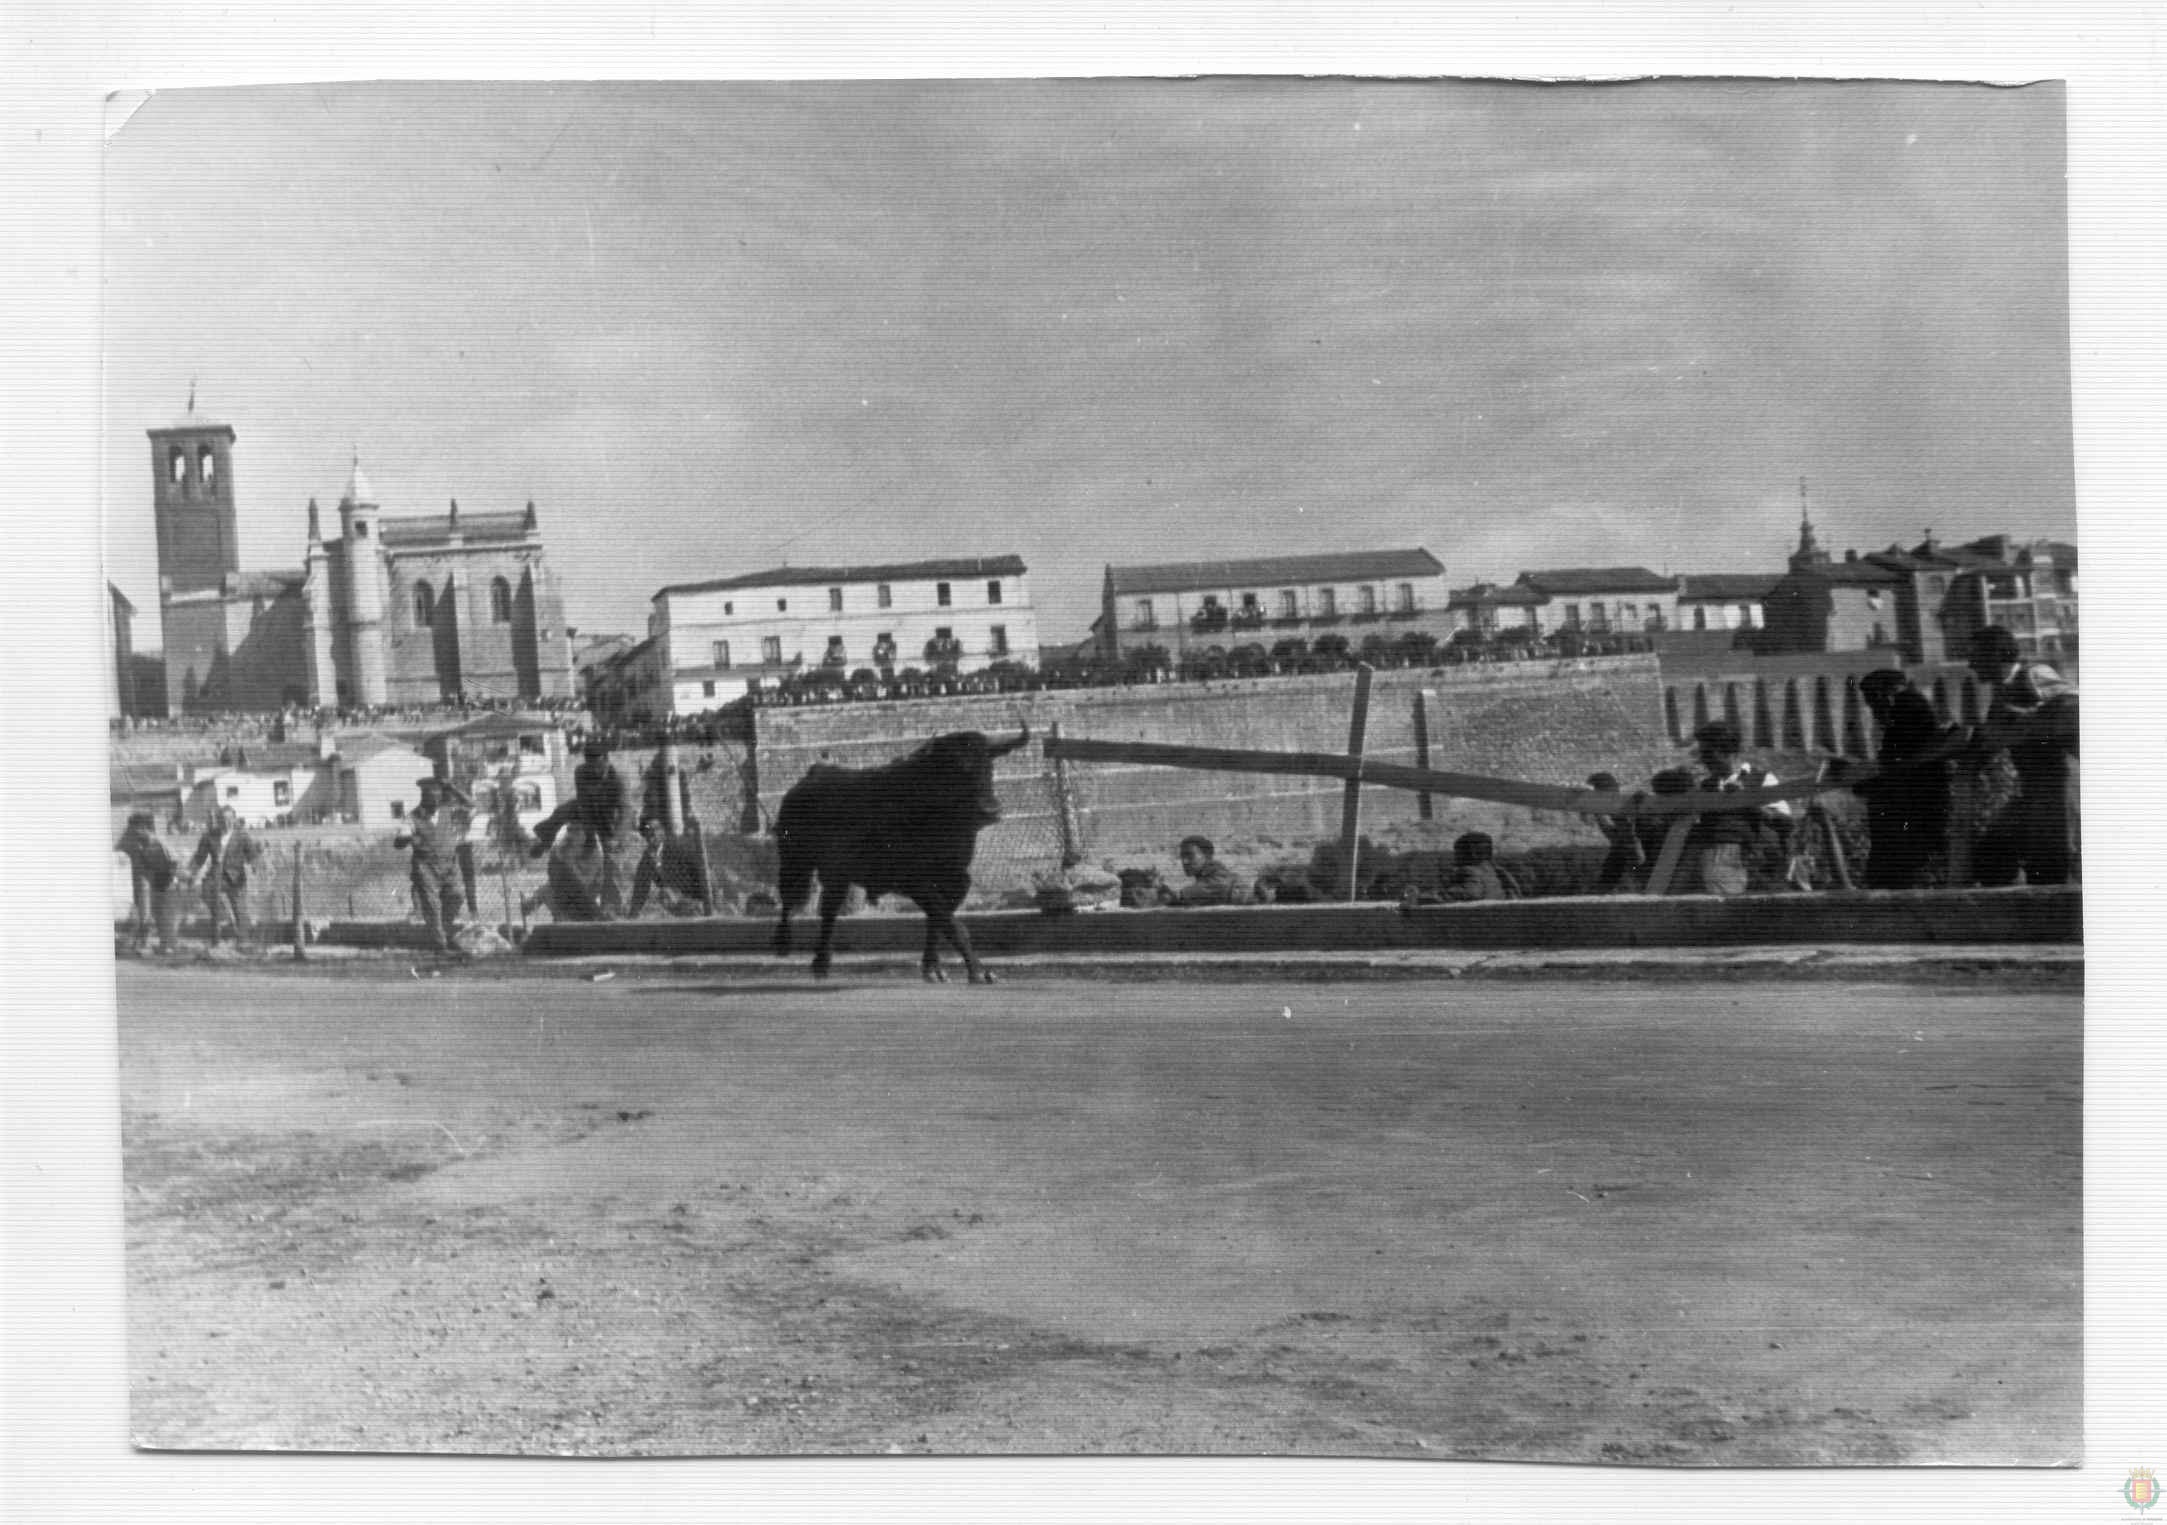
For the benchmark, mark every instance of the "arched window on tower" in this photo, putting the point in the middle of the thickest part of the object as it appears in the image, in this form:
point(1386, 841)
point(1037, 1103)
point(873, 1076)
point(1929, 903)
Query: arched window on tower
point(500, 601)
point(207, 469)
point(424, 604)
point(177, 466)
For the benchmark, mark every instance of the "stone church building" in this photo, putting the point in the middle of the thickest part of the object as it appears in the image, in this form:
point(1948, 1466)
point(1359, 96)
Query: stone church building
point(392, 611)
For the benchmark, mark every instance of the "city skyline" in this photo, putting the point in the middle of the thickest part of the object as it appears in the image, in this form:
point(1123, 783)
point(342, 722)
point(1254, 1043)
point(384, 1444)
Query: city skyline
point(712, 329)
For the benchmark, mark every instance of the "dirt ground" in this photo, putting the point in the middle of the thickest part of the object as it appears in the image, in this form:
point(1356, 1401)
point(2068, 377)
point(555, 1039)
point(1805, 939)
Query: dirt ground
point(728, 1212)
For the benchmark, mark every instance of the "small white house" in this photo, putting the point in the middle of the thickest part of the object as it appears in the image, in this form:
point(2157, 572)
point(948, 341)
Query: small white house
point(378, 779)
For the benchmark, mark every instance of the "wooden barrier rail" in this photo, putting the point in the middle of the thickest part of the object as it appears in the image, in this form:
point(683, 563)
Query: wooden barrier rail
point(1357, 770)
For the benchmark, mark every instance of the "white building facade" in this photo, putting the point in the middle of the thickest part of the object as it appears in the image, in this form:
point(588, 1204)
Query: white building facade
point(709, 642)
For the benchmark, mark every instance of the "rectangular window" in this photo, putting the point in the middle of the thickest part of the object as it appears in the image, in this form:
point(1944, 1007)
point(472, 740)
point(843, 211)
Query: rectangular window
point(1145, 619)
point(1328, 601)
point(722, 654)
point(1290, 604)
point(943, 595)
point(1367, 598)
point(1572, 616)
point(281, 792)
point(884, 596)
point(707, 689)
point(997, 641)
point(398, 810)
point(1406, 598)
point(835, 656)
point(771, 650)
point(993, 591)
point(1631, 614)
point(835, 600)
point(729, 608)
point(782, 606)
point(1249, 603)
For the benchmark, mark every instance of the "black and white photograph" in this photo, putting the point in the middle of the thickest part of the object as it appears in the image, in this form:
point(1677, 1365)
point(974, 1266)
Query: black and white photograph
point(1227, 766)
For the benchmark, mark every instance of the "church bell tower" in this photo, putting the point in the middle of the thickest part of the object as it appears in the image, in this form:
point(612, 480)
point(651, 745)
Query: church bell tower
point(199, 541)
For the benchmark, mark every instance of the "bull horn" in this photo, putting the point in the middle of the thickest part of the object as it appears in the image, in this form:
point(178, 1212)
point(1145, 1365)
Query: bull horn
point(1007, 747)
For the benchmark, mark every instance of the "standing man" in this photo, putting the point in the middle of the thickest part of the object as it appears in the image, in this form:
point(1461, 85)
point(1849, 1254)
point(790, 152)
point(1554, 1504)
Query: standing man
point(1907, 809)
point(224, 854)
point(436, 834)
point(2031, 731)
point(1720, 848)
point(151, 872)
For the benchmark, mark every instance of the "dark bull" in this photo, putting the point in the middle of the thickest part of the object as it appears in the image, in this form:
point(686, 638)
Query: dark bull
point(909, 828)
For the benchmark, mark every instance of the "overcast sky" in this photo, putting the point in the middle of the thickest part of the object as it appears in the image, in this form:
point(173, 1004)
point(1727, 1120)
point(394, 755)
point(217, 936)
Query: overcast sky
point(713, 328)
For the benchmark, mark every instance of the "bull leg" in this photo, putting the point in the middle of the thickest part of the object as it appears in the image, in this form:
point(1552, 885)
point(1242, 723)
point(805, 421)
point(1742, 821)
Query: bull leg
point(929, 967)
point(831, 906)
point(782, 934)
point(945, 922)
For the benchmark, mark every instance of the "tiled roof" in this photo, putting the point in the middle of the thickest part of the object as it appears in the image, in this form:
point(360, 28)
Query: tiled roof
point(436, 529)
point(901, 571)
point(1570, 580)
point(1328, 567)
point(130, 779)
point(1729, 584)
point(371, 744)
point(1495, 593)
point(1861, 573)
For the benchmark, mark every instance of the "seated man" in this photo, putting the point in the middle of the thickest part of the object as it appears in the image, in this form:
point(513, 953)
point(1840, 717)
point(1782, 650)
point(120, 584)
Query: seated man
point(670, 870)
point(1210, 881)
point(1723, 843)
point(1475, 874)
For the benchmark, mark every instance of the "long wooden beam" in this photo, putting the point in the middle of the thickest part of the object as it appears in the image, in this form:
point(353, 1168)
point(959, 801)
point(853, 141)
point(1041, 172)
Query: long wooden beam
point(1470, 786)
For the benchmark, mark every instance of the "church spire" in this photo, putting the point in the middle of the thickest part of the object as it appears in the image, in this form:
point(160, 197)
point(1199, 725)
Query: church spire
point(315, 524)
point(358, 490)
point(1809, 552)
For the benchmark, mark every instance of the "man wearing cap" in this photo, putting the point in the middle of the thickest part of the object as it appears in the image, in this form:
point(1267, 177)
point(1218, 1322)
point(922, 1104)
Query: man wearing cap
point(222, 858)
point(1719, 848)
point(2030, 730)
point(151, 872)
point(435, 833)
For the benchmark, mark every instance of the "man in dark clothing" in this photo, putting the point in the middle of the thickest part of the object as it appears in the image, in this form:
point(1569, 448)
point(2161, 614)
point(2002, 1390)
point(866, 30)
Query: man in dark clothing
point(1210, 881)
point(151, 872)
point(435, 833)
point(223, 855)
point(1475, 874)
point(669, 871)
point(1907, 811)
point(2030, 730)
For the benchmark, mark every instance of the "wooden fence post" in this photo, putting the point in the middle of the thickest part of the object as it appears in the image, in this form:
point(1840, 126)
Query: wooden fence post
point(1064, 801)
point(300, 931)
point(1350, 824)
point(1424, 698)
point(1666, 861)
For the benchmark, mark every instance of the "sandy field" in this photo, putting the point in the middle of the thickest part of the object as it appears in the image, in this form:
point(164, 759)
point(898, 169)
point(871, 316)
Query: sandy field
point(728, 1211)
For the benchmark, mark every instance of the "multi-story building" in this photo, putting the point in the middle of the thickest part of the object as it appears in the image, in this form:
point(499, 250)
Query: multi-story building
point(1725, 600)
point(1606, 600)
point(405, 610)
point(1922, 604)
point(1491, 609)
point(709, 642)
point(1192, 608)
